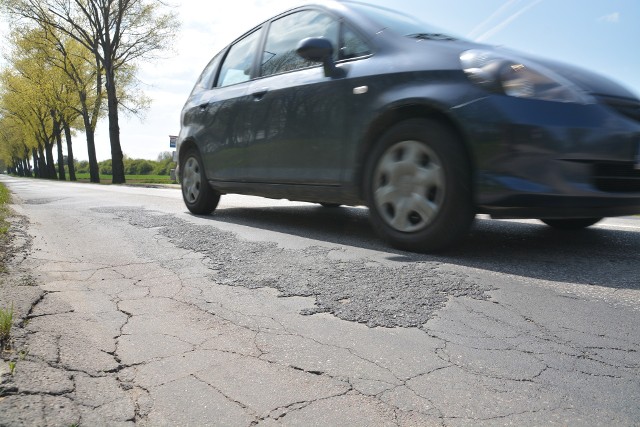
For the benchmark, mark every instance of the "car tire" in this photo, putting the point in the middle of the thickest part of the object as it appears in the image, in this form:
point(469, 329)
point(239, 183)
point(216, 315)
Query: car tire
point(417, 185)
point(197, 194)
point(571, 223)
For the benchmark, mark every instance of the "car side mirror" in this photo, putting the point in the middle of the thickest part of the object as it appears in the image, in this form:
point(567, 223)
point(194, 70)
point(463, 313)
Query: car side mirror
point(318, 49)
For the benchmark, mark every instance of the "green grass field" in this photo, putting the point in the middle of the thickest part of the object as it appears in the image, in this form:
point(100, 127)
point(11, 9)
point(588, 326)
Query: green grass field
point(131, 179)
point(4, 211)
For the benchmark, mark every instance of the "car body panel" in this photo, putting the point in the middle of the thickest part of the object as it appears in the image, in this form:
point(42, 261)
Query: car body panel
point(297, 124)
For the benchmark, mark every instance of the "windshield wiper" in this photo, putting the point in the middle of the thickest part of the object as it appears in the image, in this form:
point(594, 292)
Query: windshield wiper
point(431, 36)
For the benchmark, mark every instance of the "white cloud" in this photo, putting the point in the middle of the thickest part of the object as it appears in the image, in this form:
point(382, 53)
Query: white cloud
point(506, 21)
point(495, 15)
point(612, 18)
point(4, 32)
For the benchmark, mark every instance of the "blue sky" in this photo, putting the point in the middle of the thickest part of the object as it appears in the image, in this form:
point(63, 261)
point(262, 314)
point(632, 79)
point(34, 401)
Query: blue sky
point(600, 35)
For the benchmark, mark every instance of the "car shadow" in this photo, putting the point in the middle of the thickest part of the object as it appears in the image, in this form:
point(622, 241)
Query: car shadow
point(594, 256)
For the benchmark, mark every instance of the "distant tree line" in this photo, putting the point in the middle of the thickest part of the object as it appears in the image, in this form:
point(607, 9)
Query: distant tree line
point(161, 166)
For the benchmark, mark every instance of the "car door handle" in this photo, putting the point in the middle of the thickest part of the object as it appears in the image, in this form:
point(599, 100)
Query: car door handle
point(257, 96)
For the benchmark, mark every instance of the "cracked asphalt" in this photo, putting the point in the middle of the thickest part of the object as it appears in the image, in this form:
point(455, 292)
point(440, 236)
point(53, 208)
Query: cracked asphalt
point(129, 311)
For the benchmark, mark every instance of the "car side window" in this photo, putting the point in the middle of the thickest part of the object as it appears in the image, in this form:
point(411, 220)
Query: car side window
point(236, 67)
point(352, 45)
point(205, 81)
point(280, 55)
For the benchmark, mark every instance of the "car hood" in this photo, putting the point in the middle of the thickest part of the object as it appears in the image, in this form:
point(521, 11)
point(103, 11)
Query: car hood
point(589, 81)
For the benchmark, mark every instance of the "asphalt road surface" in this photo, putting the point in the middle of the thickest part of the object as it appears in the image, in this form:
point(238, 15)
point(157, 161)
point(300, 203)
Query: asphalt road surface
point(269, 312)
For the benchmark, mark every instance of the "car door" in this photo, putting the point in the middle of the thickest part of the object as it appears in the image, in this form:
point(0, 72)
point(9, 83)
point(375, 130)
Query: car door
point(298, 115)
point(222, 113)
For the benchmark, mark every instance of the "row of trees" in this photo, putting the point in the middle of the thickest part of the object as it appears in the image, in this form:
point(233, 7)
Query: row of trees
point(67, 59)
point(161, 166)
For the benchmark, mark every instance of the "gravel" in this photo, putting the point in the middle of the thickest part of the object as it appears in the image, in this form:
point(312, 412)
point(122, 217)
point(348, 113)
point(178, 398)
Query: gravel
point(353, 290)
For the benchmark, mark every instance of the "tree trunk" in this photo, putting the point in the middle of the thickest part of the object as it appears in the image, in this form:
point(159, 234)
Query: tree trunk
point(19, 169)
point(51, 166)
point(94, 169)
point(26, 162)
point(26, 166)
point(58, 135)
point(36, 166)
point(89, 130)
point(70, 161)
point(117, 162)
point(62, 176)
point(42, 164)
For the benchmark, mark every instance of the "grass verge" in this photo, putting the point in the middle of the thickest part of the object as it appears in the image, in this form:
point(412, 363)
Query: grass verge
point(131, 179)
point(5, 198)
point(6, 316)
point(6, 320)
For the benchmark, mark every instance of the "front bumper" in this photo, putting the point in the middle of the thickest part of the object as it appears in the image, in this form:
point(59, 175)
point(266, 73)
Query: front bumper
point(540, 159)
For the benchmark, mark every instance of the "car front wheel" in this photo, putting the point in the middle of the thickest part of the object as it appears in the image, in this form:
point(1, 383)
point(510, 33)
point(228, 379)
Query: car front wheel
point(418, 186)
point(197, 194)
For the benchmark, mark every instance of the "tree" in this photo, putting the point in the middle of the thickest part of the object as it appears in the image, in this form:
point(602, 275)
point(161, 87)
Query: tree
point(116, 32)
point(33, 87)
point(24, 99)
point(164, 164)
point(83, 84)
point(14, 151)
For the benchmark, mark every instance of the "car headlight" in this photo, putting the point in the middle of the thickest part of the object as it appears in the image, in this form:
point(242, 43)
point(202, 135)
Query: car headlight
point(513, 77)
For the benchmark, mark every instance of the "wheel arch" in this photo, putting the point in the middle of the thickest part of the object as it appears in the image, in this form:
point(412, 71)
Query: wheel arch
point(399, 113)
point(185, 146)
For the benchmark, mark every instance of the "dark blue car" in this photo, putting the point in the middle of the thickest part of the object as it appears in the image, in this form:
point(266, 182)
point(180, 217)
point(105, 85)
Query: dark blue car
point(343, 103)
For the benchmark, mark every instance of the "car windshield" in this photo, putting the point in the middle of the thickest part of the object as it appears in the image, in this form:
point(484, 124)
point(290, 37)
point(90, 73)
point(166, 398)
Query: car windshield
point(402, 23)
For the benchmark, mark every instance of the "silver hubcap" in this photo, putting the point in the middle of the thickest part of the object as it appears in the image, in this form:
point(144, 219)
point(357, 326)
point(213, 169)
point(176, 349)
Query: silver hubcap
point(409, 186)
point(191, 180)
